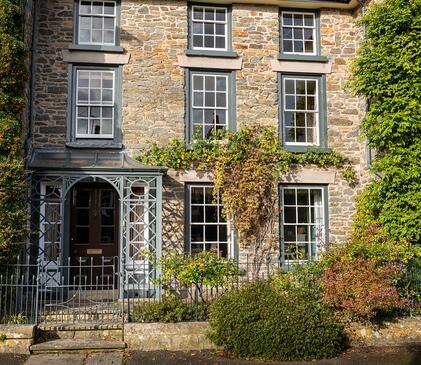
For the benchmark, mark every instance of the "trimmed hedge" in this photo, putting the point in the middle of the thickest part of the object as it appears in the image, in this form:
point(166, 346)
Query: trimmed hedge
point(258, 321)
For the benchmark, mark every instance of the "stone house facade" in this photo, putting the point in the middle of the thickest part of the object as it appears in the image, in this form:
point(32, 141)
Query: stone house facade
point(111, 75)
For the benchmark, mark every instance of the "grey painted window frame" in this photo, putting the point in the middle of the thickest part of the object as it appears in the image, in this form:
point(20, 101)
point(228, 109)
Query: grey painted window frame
point(228, 53)
point(281, 188)
point(233, 249)
point(96, 47)
point(301, 57)
point(112, 143)
point(323, 138)
point(232, 104)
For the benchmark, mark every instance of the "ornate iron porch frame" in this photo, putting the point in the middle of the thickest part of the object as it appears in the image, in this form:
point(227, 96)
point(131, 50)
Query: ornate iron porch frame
point(139, 187)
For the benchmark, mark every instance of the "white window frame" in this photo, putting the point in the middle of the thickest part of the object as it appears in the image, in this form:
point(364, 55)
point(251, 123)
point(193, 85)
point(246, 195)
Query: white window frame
point(193, 20)
point(89, 105)
point(230, 240)
point(193, 107)
point(316, 111)
point(320, 226)
point(102, 29)
point(315, 40)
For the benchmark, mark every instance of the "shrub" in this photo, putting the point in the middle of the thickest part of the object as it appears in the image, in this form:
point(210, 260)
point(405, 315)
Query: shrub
point(360, 289)
point(169, 310)
point(260, 322)
point(302, 277)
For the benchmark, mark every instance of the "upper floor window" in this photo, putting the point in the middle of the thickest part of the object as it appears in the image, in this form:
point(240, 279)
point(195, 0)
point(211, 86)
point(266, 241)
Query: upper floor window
point(299, 33)
point(211, 103)
point(303, 111)
point(97, 23)
point(210, 28)
point(95, 104)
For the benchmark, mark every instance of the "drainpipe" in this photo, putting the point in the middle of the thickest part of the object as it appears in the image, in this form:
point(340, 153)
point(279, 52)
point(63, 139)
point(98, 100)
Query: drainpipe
point(32, 55)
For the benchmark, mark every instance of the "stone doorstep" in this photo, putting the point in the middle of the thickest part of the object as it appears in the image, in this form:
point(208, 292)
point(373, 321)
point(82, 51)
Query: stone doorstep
point(77, 345)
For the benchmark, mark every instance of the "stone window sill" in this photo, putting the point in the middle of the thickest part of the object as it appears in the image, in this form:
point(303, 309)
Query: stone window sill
point(303, 149)
point(95, 145)
point(209, 53)
point(303, 58)
point(96, 48)
point(210, 63)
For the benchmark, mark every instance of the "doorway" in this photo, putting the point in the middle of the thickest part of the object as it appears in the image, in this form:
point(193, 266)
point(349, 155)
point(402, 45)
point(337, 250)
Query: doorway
point(94, 233)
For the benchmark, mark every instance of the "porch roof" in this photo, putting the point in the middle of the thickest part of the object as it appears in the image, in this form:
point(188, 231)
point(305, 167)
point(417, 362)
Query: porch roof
point(88, 160)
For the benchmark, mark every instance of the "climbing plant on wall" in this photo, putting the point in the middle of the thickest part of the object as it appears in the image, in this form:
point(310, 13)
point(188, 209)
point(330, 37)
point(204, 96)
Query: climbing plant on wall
point(12, 101)
point(387, 73)
point(247, 166)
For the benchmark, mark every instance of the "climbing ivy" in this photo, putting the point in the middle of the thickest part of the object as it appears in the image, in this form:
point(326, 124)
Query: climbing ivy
point(387, 72)
point(12, 101)
point(247, 166)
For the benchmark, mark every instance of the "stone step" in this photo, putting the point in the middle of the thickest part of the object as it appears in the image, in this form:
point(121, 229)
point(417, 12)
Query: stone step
point(76, 345)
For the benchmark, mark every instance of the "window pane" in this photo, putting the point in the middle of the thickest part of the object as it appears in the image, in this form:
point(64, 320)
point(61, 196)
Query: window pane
point(209, 14)
point(82, 126)
point(210, 83)
point(84, 35)
point(220, 29)
point(309, 20)
point(197, 13)
point(107, 126)
point(298, 19)
point(209, 42)
point(221, 100)
point(198, 41)
point(300, 119)
point(219, 42)
point(109, 8)
point(287, 19)
point(211, 233)
point(289, 197)
point(198, 28)
point(197, 196)
point(209, 29)
point(302, 197)
point(198, 99)
point(197, 233)
point(209, 99)
point(221, 83)
point(290, 215)
point(288, 46)
point(197, 215)
point(289, 119)
point(303, 215)
point(220, 15)
point(221, 116)
point(211, 214)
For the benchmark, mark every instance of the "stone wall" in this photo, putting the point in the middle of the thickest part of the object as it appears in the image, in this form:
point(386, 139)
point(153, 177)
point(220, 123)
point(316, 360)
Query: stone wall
point(154, 33)
point(187, 336)
point(55, 34)
point(16, 338)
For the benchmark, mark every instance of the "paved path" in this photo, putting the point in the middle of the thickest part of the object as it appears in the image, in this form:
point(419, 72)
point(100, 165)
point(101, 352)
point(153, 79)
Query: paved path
point(380, 356)
point(95, 358)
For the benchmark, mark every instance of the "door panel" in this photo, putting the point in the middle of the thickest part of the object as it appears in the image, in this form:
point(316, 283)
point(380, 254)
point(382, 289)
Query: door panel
point(94, 229)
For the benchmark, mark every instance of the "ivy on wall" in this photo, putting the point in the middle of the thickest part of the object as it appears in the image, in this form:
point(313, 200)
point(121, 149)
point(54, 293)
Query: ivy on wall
point(247, 166)
point(387, 72)
point(12, 101)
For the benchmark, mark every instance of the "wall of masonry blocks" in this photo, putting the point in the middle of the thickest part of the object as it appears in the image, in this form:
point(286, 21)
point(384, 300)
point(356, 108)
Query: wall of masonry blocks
point(154, 32)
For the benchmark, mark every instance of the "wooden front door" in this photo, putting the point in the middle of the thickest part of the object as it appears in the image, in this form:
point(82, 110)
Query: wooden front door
point(94, 230)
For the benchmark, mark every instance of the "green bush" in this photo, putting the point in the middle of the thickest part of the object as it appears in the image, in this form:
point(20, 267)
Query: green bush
point(169, 310)
point(258, 321)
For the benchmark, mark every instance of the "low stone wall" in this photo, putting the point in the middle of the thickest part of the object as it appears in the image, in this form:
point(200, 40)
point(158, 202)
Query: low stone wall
point(183, 336)
point(16, 338)
point(187, 336)
point(396, 332)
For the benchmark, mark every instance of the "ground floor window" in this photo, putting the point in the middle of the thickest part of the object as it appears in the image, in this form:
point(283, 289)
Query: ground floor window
point(206, 228)
point(303, 221)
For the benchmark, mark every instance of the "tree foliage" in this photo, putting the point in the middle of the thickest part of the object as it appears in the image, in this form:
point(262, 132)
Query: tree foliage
point(388, 73)
point(12, 101)
point(248, 166)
